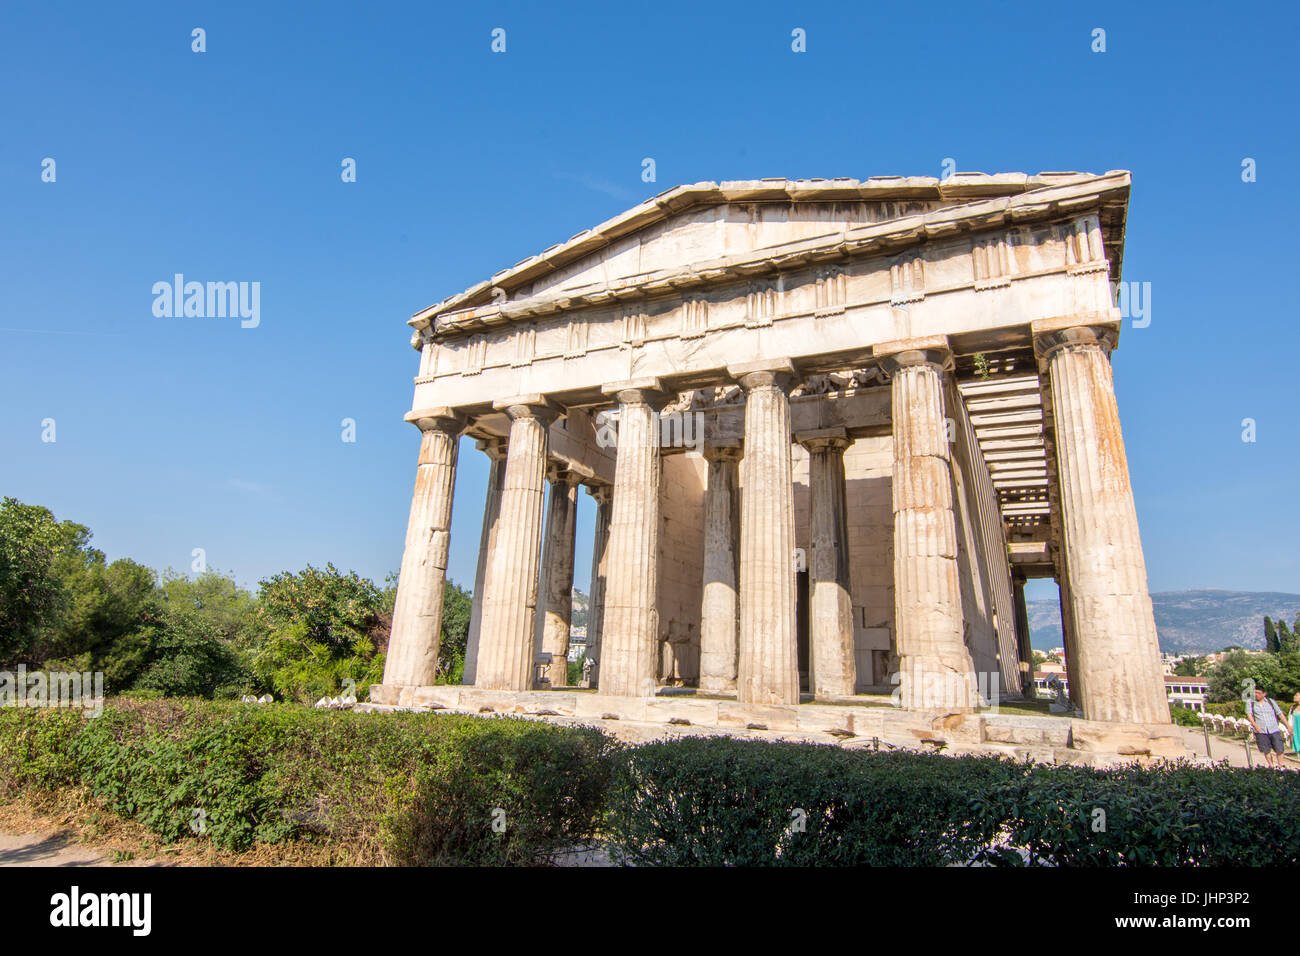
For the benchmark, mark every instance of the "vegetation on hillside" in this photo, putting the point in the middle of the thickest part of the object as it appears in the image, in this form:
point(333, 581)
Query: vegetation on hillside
point(304, 635)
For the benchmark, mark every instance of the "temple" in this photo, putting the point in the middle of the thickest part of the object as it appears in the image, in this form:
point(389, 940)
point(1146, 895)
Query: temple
point(831, 427)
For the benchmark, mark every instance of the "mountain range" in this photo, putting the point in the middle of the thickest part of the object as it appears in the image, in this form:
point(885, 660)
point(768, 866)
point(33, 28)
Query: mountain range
point(1189, 622)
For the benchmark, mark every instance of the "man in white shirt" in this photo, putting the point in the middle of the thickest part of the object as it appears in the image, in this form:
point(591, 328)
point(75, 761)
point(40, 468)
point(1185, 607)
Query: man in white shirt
point(1270, 727)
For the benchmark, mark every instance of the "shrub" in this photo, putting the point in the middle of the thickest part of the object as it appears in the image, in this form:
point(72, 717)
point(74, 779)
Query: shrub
point(428, 788)
point(1185, 716)
point(1232, 708)
point(399, 788)
point(1164, 815)
point(720, 801)
point(34, 749)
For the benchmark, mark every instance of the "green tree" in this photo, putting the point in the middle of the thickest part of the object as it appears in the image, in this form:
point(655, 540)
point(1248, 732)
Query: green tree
point(188, 657)
point(109, 612)
point(1226, 677)
point(457, 603)
point(322, 632)
point(1270, 635)
point(215, 598)
point(1288, 682)
point(35, 552)
point(1190, 667)
point(1287, 642)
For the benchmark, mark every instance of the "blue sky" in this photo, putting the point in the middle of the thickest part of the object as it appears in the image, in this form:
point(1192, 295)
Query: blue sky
point(174, 434)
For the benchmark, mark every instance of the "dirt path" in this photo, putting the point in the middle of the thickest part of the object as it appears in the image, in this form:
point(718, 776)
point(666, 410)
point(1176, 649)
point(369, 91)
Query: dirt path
point(1232, 749)
point(47, 849)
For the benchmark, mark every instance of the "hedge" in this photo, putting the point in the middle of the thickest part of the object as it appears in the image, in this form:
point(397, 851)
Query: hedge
point(427, 789)
point(719, 801)
point(1163, 815)
point(399, 788)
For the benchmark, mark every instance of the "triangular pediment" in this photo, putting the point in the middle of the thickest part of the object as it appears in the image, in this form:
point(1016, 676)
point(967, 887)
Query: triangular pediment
point(696, 234)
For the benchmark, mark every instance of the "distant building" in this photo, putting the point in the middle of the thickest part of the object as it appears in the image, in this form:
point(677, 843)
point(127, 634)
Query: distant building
point(1042, 683)
point(1186, 691)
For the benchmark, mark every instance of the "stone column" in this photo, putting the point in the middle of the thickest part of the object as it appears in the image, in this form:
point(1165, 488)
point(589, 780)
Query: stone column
point(719, 604)
point(604, 497)
point(1023, 642)
point(1069, 638)
point(412, 659)
point(496, 451)
point(936, 671)
point(506, 642)
point(555, 589)
point(834, 670)
point(630, 631)
point(1118, 657)
point(768, 667)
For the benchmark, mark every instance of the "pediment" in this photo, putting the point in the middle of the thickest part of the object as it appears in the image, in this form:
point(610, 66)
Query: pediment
point(707, 232)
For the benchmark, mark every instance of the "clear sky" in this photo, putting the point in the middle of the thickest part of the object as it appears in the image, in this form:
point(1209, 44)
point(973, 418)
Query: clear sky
point(174, 434)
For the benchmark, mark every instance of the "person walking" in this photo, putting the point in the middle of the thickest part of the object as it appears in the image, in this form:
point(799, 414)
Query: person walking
point(1270, 727)
point(1294, 714)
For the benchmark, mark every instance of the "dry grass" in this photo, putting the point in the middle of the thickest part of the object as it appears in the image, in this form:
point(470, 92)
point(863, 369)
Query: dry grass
point(75, 816)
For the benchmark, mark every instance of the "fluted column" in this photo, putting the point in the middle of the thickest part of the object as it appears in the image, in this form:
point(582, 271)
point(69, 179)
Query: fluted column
point(768, 666)
point(720, 602)
point(630, 630)
point(604, 498)
point(506, 643)
point(412, 659)
point(834, 671)
point(1069, 637)
point(555, 604)
point(1117, 654)
point(936, 671)
point(1023, 643)
point(496, 451)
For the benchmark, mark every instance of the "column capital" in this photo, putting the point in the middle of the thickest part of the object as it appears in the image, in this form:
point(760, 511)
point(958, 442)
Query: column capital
point(639, 391)
point(767, 373)
point(714, 451)
point(529, 406)
point(494, 448)
point(930, 350)
point(836, 439)
point(557, 472)
point(1052, 336)
point(440, 419)
point(601, 493)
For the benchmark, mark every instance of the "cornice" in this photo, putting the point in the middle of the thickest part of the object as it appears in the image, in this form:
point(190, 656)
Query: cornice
point(1031, 199)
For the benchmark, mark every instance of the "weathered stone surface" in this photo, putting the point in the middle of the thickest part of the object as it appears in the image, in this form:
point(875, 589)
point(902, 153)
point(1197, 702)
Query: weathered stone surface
point(506, 645)
point(417, 613)
point(629, 631)
point(1116, 656)
point(603, 495)
point(555, 590)
point(771, 716)
point(496, 452)
point(1127, 739)
point(768, 670)
point(935, 664)
point(832, 664)
point(720, 607)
